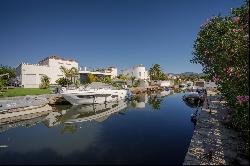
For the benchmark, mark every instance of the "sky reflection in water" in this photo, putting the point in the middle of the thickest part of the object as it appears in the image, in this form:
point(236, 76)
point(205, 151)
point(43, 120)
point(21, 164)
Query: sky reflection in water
point(149, 130)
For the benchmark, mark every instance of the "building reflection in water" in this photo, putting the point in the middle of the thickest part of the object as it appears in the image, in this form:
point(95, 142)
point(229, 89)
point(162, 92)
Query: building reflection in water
point(69, 115)
point(153, 99)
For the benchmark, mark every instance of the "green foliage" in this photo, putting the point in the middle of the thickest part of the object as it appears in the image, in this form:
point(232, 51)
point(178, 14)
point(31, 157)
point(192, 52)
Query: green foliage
point(137, 83)
point(70, 74)
point(155, 102)
point(91, 78)
point(8, 69)
point(25, 91)
point(63, 81)
point(77, 83)
point(4, 79)
point(132, 78)
point(45, 82)
point(222, 48)
point(123, 77)
point(155, 73)
point(2, 83)
point(161, 76)
point(107, 80)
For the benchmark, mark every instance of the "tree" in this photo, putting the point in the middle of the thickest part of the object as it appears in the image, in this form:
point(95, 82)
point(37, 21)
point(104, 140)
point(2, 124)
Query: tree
point(45, 82)
point(91, 78)
point(132, 78)
point(77, 83)
point(162, 76)
point(8, 69)
point(137, 83)
point(7, 73)
point(155, 73)
point(2, 84)
point(123, 77)
point(70, 74)
point(222, 48)
point(63, 81)
point(107, 80)
point(155, 102)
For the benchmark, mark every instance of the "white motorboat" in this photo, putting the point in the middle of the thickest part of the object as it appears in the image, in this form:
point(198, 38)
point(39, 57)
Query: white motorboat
point(81, 113)
point(95, 95)
point(97, 112)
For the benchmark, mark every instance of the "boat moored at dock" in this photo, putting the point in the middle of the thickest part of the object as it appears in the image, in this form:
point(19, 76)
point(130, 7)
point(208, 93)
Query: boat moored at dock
point(95, 95)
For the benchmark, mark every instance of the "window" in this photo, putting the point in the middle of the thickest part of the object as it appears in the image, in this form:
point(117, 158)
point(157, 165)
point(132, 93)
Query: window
point(139, 74)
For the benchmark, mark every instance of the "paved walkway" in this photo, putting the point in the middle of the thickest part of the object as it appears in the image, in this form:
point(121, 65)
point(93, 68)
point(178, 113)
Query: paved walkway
point(212, 143)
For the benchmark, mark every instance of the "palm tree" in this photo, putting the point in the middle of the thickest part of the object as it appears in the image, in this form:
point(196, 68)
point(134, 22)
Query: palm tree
point(154, 72)
point(45, 81)
point(73, 74)
point(132, 79)
point(123, 77)
point(70, 74)
point(65, 71)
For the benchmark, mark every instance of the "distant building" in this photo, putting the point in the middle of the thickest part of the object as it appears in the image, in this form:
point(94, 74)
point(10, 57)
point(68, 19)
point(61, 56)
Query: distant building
point(165, 83)
point(110, 71)
point(139, 72)
point(171, 76)
point(30, 74)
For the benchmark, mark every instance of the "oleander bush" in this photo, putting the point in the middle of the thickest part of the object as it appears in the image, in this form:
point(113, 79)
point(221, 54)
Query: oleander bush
point(222, 48)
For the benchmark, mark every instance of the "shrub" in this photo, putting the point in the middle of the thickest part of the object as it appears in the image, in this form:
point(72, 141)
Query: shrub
point(45, 82)
point(222, 48)
point(63, 81)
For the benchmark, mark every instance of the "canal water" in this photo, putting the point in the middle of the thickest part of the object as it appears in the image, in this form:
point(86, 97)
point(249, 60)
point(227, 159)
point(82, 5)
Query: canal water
point(151, 129)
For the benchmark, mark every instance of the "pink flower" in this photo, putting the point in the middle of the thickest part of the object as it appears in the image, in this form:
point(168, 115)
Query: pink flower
point(238, 30)
point(241, 99)
point(228, 70)
point(235, 19)
point(238, 75)
point(234, 30)
point(216, 78)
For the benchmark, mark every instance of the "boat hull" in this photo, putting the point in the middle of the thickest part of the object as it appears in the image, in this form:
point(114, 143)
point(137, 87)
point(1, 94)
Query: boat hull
point(97, 97)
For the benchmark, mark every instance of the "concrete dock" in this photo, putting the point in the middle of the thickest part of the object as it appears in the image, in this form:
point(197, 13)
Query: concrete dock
point(212, 143)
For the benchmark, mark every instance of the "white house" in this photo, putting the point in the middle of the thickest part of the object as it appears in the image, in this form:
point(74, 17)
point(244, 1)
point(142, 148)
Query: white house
point(30, 74)
point(166, 83)
point(139, 72)
point(110, 71)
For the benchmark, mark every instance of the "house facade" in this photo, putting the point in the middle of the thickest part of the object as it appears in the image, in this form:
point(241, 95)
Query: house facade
point(139, 72)
point(110, 72)
point(30, 74)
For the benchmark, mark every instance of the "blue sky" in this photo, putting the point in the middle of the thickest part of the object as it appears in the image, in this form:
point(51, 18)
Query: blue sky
point(101, 33)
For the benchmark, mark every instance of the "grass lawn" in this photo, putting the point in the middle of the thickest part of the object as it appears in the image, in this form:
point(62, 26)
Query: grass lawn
point(24, 91)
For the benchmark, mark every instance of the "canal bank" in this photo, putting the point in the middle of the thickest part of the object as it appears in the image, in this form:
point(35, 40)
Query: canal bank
point(212, 142)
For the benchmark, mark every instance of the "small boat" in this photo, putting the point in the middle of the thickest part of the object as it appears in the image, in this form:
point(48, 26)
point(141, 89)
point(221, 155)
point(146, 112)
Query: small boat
point(95, 95)
point(193, 99)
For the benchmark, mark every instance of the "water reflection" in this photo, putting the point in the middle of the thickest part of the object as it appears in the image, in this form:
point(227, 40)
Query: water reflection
point(101, 134)
point(26, 119)
point(68, 115)
point(153, 99)
point(196, 106)
point(155, 102)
